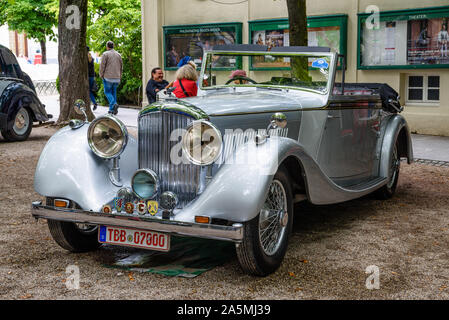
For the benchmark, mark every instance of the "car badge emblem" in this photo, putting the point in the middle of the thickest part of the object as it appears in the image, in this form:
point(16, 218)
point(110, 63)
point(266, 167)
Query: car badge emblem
point(152, 207)
point(118, 204)
point(129, 208)
point(141, 207)
point(106, 209)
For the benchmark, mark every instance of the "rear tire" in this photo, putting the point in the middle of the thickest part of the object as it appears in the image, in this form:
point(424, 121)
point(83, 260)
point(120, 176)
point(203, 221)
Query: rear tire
point(23, 123)
point(388, 190)
point(72, 238)
point(265, 237)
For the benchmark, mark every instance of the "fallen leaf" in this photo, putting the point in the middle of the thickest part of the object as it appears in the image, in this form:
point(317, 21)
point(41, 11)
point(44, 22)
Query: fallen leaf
point(291, 274)
point(442, 288)
point(130, 276)
point(27, 296)
point(298, 289)
point(304, 261)
point(395, 273)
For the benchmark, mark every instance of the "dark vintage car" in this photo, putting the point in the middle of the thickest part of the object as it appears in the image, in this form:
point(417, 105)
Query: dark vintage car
point(19, 104)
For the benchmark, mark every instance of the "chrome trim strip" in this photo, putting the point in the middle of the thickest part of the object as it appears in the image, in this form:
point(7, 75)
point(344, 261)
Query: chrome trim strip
point(232, 233)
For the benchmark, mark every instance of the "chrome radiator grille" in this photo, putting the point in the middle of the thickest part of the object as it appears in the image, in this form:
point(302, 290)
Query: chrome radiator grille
point(155, 129)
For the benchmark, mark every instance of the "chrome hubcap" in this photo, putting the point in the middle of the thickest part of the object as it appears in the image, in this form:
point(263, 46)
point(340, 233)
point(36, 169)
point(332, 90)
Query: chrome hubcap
point(273, 219)
point(21, 122)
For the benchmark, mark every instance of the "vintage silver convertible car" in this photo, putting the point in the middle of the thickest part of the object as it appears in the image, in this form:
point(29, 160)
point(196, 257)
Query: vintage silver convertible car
point(228, 164)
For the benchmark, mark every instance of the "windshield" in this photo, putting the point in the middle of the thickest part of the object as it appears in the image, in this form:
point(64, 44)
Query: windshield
point(310, 72)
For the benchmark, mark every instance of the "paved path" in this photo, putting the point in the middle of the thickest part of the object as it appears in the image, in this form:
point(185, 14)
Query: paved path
point(127, 115)
point(424, 146)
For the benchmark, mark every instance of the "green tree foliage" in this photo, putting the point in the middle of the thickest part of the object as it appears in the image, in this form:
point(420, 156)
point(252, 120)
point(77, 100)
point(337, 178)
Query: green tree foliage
point(32, 17)
point(119, 21)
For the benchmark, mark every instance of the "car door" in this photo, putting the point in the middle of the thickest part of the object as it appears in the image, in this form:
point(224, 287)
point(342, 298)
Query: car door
point(347, 151)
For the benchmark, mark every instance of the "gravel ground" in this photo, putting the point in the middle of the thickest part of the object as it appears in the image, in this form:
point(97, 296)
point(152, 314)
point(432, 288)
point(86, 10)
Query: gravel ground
point(331, 247)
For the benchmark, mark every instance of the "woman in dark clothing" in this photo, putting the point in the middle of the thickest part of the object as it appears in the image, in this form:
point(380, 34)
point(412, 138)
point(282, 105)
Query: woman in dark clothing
point(91, 68)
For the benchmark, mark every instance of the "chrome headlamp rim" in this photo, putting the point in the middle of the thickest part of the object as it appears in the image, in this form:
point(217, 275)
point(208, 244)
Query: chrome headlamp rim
point(156, 184)
point(187, 153)
point(123, 129)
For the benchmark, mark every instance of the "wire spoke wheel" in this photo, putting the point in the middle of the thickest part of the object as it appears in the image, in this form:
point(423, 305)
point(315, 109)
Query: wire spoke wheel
point(265, 237)
point(395, 164)
point(273, 218)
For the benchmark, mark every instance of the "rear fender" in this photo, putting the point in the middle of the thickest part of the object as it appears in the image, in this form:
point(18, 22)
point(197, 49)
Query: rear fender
point(397, 130)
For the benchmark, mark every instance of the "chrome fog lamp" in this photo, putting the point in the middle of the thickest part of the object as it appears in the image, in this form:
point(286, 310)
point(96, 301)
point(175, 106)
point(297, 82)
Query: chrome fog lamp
point(107, 137)
point(202, 143)
point(145, 183)
point(168, 200)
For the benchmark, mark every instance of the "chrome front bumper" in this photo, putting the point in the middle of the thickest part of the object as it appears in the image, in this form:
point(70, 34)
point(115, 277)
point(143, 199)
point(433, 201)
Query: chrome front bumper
point(232, 233)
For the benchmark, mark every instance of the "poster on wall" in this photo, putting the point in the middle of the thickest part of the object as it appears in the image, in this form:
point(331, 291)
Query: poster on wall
point(428, 42)
point(194, 40)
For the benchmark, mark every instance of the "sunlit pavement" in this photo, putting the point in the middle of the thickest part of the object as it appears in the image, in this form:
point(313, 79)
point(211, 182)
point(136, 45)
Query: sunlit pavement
point(424, 146)
point(127, 115)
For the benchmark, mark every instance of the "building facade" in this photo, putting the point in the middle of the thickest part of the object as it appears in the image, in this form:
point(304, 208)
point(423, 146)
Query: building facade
point(403, 43)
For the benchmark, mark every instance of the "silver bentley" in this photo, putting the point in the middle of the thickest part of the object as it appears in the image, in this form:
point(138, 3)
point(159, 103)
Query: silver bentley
point(228, 164)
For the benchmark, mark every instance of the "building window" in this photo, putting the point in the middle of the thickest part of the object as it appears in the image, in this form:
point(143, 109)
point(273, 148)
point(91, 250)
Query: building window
point(423, 88)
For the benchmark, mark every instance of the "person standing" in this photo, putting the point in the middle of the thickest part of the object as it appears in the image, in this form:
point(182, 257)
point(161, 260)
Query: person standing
point(111, 68)
point(92, 85)
point(156, 84)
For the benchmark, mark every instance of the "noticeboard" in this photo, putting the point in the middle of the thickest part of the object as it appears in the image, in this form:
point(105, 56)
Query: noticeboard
point(404, 39)
point(323, 31)
point(193, 40)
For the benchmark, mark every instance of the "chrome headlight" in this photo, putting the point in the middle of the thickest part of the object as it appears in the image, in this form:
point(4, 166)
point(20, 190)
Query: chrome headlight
point(107, 137)
point(145, 183)
point(202, 143)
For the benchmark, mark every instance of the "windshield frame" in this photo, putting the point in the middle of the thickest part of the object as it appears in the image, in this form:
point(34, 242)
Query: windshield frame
point(330, 80)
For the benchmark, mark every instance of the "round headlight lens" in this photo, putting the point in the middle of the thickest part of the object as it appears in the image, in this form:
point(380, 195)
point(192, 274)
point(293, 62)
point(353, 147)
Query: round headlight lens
point(202, 143)
point(145, 183)
point(107, 137)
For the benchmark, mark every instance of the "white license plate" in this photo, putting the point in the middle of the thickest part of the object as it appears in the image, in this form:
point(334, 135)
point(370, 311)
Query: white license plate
point(134, 238)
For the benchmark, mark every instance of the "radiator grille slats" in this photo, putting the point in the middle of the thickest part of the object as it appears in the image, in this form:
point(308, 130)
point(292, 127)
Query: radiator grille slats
point(155, 130)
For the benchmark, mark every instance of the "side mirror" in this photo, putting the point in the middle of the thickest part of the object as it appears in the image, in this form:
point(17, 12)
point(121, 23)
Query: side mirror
point(279, 120)
point(80, 108)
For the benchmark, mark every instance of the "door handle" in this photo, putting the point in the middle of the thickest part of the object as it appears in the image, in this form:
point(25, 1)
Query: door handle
point(333, 117)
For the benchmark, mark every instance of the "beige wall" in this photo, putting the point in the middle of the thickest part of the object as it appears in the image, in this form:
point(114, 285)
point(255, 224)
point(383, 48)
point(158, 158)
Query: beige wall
point(426, 119)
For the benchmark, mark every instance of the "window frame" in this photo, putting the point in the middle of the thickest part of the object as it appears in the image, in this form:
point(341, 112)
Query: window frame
point(425, 89)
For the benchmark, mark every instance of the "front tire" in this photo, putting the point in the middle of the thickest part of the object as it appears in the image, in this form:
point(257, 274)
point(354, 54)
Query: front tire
point(73, 238)
point(266, 236)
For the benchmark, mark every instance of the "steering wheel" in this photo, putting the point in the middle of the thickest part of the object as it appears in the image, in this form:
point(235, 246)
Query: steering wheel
point(241, 78)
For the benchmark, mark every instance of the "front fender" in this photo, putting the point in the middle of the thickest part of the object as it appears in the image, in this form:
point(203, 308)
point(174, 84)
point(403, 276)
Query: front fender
point(67, 168)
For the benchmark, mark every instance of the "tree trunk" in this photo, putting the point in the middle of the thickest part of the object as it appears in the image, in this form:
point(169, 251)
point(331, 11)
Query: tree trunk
point(297, 18)
point(44, 51)
point(72, 57)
